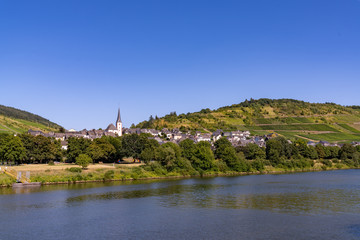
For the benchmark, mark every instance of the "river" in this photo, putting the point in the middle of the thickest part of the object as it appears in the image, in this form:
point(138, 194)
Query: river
point(313, 205)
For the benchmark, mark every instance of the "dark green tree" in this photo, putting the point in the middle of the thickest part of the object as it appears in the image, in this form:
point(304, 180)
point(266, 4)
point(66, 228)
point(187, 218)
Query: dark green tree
point(188, 148)
point(347, 151)
point(203, 157)
point(12, 150)
point(76, 146)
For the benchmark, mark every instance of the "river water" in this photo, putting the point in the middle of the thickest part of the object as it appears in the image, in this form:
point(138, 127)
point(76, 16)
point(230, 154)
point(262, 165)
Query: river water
point(314, 205)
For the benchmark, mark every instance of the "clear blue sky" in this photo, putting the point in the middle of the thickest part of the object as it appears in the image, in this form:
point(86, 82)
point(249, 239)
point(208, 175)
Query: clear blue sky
point(75, 62)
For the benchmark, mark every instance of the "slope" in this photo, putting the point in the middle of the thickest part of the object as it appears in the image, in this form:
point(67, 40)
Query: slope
point(288, 117)
point(13, 120)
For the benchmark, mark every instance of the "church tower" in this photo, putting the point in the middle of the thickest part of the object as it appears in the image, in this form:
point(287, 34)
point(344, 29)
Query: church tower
point(119, 124)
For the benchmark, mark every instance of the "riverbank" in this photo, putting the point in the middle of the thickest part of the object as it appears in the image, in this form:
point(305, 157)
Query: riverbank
point(72, 174)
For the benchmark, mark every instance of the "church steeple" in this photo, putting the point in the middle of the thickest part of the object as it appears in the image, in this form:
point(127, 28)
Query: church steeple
point(118, 117)
point(119, 124)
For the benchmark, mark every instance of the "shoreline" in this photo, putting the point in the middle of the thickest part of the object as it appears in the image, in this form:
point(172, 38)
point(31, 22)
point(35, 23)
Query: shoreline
point(189, 176)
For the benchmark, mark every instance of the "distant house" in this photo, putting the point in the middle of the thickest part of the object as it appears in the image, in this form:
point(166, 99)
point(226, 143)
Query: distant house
point(177, 136)
point(324, 143)
point(217, 134)
point(204, 137)
point(64, 145)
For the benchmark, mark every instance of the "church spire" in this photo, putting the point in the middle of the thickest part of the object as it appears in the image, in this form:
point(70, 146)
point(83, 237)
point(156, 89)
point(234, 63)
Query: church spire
point(118, 117)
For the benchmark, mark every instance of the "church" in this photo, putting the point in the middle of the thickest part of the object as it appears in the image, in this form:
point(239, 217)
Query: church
point(118, 129)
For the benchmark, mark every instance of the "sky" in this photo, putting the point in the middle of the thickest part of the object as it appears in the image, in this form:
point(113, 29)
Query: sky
point(75, 62)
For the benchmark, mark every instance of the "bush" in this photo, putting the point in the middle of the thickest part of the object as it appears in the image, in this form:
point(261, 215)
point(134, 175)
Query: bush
point(109, 175)
point(326, 162)
point(74, 169)
point(258, 165)
point(83, 160)
point(221, 166)
point(157, 169)
point(51, 163)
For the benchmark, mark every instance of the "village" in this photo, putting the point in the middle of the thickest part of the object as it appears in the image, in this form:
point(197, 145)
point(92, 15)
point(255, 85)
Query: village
point(237, 138)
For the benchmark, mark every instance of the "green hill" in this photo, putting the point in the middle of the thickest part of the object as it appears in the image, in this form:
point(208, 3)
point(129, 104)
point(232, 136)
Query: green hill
point(287, 117)
point(13, 120)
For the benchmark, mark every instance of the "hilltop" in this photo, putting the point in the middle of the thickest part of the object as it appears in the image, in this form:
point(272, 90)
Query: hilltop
point(287, 117)
point(14, 120)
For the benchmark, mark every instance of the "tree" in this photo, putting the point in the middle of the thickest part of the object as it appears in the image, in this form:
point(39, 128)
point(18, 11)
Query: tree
point(95, 152)
point(116, 142)
point(168, 155)
point(76, 146)
point(83, 160)
point(346, 151)
point(273, 150)
point(220, 146)
point(252, 151)
point(203, 158)
point(133, 145)
point(147, 155)
point(320, 149)
point(229, 156)
point(101, 150)
point(188, 148)
point(12, 150)
point(45, 149)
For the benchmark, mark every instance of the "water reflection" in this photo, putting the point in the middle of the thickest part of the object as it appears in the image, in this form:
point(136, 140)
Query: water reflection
point(221, 196)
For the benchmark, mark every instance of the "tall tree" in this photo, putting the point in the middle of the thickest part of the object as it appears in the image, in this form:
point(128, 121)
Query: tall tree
point(12, 150)
point(76, 146)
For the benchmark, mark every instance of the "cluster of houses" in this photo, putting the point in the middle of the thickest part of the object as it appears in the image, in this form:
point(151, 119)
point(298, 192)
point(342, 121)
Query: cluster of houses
point(175, 135)
point(237, 138)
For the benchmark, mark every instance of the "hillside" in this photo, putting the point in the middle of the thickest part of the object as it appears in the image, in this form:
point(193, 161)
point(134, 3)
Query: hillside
point(13, 120)
point(287, 117)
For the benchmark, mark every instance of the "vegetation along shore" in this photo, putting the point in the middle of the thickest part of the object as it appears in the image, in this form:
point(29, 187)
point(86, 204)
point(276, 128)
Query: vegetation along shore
point(100, 159)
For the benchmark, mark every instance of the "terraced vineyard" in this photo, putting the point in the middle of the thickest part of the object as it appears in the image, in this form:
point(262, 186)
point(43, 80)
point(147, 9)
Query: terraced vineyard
point(286, 117)
point(17, 121)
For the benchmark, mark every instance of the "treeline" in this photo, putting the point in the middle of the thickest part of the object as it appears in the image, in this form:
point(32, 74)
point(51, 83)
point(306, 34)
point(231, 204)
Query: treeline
point(186, 158)
point(20, 114)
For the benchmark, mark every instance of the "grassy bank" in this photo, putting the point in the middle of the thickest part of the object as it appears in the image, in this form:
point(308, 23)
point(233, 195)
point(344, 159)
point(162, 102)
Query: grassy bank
point(68, 173)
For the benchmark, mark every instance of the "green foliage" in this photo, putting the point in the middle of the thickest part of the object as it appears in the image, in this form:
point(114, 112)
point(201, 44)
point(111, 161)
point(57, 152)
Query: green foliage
point(202, 158)
point(101, 150)
point(12, 149)
point(188, 148)
point(83, 160)
point(109, 175)
point(169, 155)
point(74, 169)
point(258, 165)
point(326, 162)
point(77, 146)
point(252, 151)
point(346, 151)
point(133, 145)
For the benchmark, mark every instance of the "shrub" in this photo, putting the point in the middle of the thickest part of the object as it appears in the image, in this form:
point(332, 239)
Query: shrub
point(83, 160)
point(326, 162)
point(51, 163)
point(74, 169)
point(258, 165)
point(109, 175)
point(221, 166)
